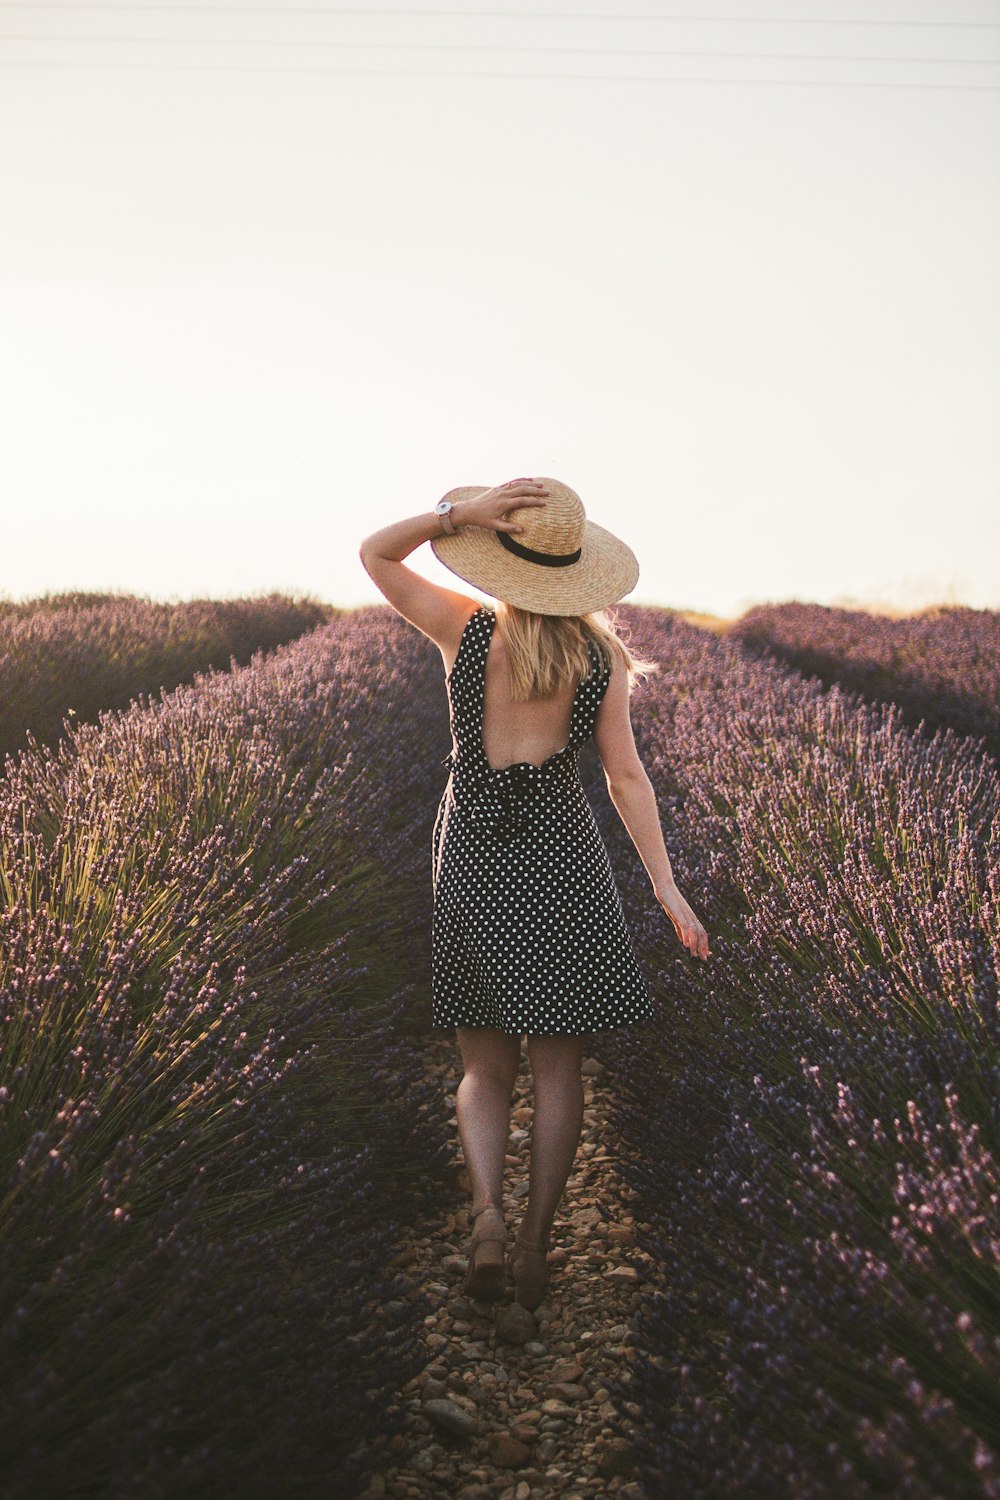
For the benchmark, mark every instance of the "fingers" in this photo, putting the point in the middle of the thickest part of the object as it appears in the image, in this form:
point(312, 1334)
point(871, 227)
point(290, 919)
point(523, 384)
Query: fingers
point(699, 943)
point(694, 939)
point(523, 487)
point(519, 494)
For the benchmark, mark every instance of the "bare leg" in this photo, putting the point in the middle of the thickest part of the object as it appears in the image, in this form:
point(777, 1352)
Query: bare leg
point(557, 1120)
point(490, 1060)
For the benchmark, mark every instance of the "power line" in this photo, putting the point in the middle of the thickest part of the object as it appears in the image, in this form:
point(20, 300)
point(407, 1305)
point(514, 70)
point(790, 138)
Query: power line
point(981, 88)
point(530, 15)
point(476, 47)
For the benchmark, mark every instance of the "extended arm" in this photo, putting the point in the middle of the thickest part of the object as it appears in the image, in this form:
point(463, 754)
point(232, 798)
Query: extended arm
point(631, 791)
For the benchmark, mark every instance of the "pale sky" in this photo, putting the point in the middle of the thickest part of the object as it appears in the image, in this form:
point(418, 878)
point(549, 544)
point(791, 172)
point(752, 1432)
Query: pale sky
point(275, 276)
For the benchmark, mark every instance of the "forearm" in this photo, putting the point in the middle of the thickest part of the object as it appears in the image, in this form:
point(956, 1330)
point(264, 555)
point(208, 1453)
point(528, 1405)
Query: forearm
point(635, 803)
point(403, 537)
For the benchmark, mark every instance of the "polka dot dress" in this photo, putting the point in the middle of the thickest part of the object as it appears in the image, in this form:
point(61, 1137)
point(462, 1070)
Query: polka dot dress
point(529, 934)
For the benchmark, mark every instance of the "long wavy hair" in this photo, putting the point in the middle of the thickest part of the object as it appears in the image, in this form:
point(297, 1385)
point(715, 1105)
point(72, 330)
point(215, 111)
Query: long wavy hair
point(544, 652)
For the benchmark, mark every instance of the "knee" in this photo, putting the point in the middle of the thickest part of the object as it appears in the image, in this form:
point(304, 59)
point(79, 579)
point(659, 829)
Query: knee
point(558, 1057)
point(499, 1076)
point(492, 1057)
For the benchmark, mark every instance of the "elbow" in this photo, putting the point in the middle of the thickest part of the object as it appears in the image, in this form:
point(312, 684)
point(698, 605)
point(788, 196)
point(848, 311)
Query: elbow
point(626, 780)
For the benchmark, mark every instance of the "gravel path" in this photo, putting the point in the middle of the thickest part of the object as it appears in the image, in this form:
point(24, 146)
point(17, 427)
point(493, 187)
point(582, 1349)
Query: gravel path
point(516, 1405)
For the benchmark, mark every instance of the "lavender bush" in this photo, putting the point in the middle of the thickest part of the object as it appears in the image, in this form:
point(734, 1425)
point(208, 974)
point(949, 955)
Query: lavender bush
point(215, 1128)
point(75, 654)
point(214, 977)
point(810, 1125)
point(942, 667)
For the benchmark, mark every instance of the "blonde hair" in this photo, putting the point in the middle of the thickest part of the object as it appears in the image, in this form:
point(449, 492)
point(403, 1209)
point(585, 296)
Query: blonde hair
point(544, 652)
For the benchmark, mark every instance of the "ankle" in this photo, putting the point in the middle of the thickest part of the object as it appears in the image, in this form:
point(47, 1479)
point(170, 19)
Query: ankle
point(479, 1206)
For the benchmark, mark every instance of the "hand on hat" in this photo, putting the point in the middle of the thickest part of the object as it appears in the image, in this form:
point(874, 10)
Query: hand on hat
point(490, 509)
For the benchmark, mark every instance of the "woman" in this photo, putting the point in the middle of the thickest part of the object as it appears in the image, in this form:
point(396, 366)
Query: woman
point(529, 936)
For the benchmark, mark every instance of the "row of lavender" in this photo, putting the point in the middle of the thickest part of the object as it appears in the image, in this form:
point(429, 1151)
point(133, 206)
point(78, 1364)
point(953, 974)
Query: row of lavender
point(811, 1124)
point(941, 667)
point(214, 1129)
point(78, 654)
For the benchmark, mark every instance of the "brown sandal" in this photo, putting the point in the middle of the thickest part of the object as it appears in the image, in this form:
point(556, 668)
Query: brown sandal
point(484, 1277)
point(530, 1269)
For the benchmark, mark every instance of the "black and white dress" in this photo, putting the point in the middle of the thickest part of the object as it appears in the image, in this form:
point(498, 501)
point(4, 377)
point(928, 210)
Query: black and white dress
point(529, 933)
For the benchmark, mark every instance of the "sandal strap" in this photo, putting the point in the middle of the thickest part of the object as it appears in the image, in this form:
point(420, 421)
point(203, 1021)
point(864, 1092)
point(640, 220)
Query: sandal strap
point(523, 1244)
point(487, 1230)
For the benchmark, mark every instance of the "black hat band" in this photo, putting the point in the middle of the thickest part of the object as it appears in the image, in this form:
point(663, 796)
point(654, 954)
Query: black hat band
point(547, 559)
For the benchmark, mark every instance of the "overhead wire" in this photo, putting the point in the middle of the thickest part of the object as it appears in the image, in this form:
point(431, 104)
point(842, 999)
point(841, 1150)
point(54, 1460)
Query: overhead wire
point(190, 41)
point(328, 44)
point(818, 83)
point(532, 15)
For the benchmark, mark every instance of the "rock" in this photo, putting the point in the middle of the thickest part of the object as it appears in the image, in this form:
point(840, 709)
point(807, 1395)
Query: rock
point(562, 1390)
point(451, 1417)
point(615, 1459)
point(623, 1274)
point(507, 1451)
point(514, 1324)
point(554, 1408)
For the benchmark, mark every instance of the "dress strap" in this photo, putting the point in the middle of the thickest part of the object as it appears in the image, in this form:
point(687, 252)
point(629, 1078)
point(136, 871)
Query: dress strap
point(588, 698)
point(463, 684)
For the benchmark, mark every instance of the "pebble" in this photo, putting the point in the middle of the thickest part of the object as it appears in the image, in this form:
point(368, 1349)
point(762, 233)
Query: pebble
point(514, 1404)
point(514, 1324)
point(452, 1417)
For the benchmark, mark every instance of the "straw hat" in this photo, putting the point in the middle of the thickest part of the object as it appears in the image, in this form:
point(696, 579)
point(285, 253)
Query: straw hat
point(560, 564)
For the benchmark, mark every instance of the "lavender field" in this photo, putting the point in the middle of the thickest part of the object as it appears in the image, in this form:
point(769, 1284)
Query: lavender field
point(815, 1132)
point(215, 976)
point(941, 667)
point(215, 1132)
point(77, 654)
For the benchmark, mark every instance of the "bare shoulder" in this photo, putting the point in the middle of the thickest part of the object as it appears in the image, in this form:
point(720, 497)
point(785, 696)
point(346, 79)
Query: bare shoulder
point(453, 628)
point(613, 728)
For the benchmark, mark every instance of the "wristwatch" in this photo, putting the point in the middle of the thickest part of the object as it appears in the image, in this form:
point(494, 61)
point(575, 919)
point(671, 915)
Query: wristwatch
point(443, 512)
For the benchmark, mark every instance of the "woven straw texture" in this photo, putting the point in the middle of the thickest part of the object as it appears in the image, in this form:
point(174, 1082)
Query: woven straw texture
point(606, 571)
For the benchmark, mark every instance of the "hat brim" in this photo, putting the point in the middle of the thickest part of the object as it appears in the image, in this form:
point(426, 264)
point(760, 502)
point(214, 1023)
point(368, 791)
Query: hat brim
point(605, 572)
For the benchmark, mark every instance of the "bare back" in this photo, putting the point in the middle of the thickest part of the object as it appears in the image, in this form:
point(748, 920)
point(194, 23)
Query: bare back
point(514, 732)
